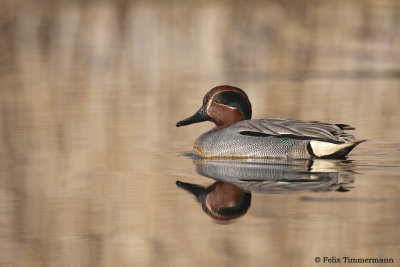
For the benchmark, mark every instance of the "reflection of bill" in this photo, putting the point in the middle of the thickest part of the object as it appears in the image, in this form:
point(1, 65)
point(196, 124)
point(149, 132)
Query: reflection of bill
point(221, 201)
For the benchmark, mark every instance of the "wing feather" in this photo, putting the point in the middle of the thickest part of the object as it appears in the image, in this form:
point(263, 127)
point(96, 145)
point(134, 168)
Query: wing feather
point(296, 128)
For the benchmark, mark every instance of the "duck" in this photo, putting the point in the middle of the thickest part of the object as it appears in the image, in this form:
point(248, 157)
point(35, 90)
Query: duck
point(236, 135)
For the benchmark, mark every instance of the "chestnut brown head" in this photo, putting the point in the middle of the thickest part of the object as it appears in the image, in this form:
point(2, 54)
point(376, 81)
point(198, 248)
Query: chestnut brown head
point(224, 105)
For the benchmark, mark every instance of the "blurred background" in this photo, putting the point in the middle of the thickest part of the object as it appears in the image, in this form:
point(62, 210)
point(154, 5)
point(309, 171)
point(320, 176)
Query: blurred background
point(90, 92)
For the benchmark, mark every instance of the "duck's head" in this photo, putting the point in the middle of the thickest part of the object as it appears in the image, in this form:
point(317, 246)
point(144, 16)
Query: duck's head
point(224, 105)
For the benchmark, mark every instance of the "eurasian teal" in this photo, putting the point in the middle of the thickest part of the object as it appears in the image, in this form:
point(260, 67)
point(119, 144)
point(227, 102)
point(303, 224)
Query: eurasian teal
point(236, 135)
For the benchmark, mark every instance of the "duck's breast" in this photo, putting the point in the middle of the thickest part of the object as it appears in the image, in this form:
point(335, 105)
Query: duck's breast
point(229, 142)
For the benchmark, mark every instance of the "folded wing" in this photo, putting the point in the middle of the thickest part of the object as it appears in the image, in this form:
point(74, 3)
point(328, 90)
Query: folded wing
point(296, 129)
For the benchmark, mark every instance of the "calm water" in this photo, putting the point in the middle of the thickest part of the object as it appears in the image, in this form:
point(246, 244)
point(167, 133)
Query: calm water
point(93, 171)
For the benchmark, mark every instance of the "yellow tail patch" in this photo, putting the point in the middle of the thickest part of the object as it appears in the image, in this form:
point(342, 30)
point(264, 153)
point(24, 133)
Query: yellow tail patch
point(321, 149)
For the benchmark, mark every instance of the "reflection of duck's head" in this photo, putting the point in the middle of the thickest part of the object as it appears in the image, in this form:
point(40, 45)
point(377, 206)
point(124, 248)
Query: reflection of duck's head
point(221, 201)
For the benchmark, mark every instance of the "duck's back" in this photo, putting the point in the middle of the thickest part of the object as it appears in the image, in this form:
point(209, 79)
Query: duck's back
point(269, 138)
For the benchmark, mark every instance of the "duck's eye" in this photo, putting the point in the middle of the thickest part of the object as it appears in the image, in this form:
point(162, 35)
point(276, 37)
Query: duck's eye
point(219, 101)
point(234, 100)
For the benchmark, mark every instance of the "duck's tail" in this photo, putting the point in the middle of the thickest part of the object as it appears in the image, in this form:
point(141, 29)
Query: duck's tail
point(329, 150)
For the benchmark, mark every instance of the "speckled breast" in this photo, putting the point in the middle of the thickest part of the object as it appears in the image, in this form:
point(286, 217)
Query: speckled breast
point(230, 143)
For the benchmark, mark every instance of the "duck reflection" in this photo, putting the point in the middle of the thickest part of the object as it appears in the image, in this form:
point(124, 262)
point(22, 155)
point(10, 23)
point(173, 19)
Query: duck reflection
point(230, 196)
point(221, 200)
